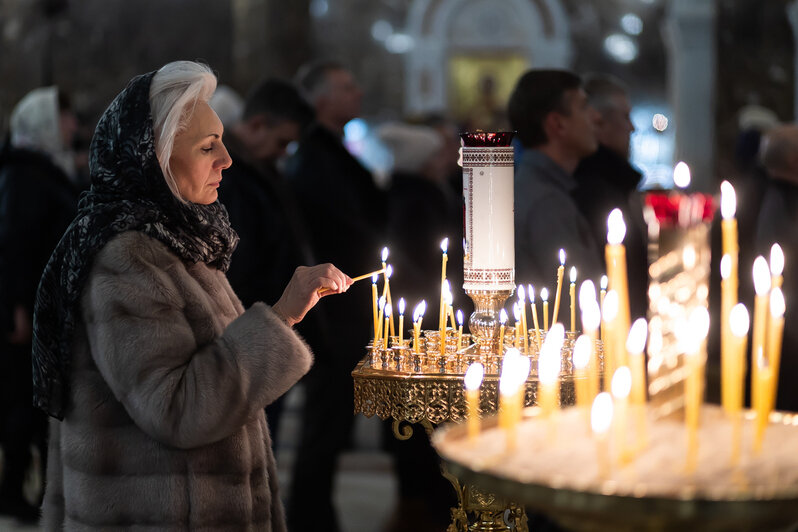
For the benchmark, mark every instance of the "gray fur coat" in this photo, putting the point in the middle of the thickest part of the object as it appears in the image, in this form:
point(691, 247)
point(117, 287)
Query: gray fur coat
point(165, 429)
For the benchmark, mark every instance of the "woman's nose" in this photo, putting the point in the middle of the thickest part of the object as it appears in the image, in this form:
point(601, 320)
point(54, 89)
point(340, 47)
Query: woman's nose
point(225, 161)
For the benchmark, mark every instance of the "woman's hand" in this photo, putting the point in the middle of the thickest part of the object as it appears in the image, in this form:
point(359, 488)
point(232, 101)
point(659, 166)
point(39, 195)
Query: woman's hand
point(302, 292)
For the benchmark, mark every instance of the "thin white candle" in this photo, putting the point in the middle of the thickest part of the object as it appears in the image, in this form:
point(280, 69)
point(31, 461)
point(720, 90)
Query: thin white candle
point(473, 380)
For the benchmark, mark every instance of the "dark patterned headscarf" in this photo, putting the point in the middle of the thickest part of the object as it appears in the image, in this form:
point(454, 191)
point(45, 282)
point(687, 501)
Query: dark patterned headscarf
point(128, 193)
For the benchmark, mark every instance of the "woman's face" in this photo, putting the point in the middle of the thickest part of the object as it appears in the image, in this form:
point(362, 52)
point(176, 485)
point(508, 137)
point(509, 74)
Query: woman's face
point(198, 156)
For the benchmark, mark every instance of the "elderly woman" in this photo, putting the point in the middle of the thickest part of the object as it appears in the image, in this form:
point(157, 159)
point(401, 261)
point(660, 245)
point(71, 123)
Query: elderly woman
point(157, 374)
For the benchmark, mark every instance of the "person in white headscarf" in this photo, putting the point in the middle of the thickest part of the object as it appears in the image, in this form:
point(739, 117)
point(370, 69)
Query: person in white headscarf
point(38, 199)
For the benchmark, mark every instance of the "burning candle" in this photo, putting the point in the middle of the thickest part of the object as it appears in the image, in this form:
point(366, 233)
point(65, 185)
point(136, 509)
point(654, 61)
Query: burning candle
point(374, 300)
point(549, 364)
point(387, 319)
point(776, 265)
point(621, 386)
point(762, 398)
point(473, 380)
point(450, 310)
point(444, 259)
point(696, 333)
point(728, 208)
point(387, 293)
point(544, 295)
point(522, 308)
point(762, 288)
point(635, 347)
point(517, 315)
point(581, 360)
point(727, 301)
point(602, 292)
point(382, 313)
point(503, 323)
point(401, 321)
point(534, 315)
point(591, 317)
point(738, 326)
point(442, 321)
point(572, 294)
point(515, 369)
point(774, 337)
point(613, 338)
point(418, 316)
point(560, 271)
point(615, 255)
point(459, 328)
point(601, 416)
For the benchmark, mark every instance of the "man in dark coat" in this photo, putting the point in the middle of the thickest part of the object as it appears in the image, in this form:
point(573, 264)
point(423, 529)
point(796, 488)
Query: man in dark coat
point(38, 200)
point(606, 180)
point(262, 208)
point(344, 214)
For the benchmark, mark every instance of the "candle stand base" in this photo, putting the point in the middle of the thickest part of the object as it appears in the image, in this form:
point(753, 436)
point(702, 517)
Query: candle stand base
point(484, 322)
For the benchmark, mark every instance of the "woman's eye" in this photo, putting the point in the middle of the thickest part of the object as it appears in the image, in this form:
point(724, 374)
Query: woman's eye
point(207, 150)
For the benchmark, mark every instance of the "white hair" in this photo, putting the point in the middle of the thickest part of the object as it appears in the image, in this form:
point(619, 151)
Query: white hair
point(174, 91)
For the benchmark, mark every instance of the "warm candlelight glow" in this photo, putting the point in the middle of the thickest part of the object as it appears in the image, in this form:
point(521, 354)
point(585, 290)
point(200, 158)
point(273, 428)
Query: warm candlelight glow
point(401, 306)
point(699, 327)
point(573, 274)
point(621, 383)
point(389, 271)
point(385, 254)
point(460, 318)
point(581, 359)
point(616, 229)
point(445, 245)
point(739, 321)
point(562, 257)
point(635, 345)
point(728, 200)
point(581, 352)
point(761, 276)
point(401, 321)
point(681, 175)
point(517, 315)
point(725, 267)
point(418, 312)
point(620, 387)
point(603, 282)
point(544, 294)
point(521, 294)
point(776, 260)
point(549, 364)
point(503, 317)
point(387, 310)
point(777, 306)
point(374, 278)
point(587, 292)
point(610, 309)
point(502, 322)
point(531, 292)
point(591, 316)
point(636, 342)
point(515, 369)
point(474, 375)
point(601, 413)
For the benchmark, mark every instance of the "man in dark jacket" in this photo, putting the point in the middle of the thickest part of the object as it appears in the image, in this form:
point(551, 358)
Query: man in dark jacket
point(38, 200)
point(344, 214)
point(607, 181)
point(262, 208)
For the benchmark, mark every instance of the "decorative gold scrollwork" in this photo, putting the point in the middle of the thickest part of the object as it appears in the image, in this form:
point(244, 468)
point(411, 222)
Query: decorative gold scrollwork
point(405, 433)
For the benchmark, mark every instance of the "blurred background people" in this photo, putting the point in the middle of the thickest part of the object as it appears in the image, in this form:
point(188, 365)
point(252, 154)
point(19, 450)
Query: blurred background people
point(606, 180)
point(261, 205)
point(38, 199)
point(344, 214)
point(553, 119)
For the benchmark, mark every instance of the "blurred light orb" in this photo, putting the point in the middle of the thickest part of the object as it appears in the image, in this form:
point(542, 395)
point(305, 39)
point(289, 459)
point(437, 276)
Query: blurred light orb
point(660, 122)
point(381, 30)
point(355, 130)
point(681, 175)
point(621, 48)
point(399, 43)
point(319, 8)
point(632, 24)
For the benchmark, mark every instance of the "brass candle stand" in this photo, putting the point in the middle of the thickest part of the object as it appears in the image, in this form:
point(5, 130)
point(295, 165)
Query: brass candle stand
point(420, 385)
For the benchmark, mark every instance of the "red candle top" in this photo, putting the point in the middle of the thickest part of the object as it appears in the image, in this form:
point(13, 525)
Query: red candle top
point(486, 139)
point(674, 208)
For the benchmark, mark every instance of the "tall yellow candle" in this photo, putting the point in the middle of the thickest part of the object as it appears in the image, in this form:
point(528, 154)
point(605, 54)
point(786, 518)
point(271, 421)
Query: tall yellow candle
point(544, 295)
point(728, 209)
point(515, 369)
point(635, 347)
point(549, 367)
point(776, 266)
point(621, 386)
point(572, 294)
point(387, 318)
point(727, 301)
point(442, 321)
point(387, 294)
point(614, 348)
point(444, 259)
point(459, 329)
point(698, 327)
point(759, 337)
point(591, 317)
point(602, 293)
point(382, 313)
point(518, 326)
point(762, 399)
point(418, 316)
point(401, 321)
point(581, 361)
point(473, 380)
point(738, 326)
point(601, 418)
point(774, 337)
point(374, 300)
point(615, 256)
point(522, 309)
point(534, 315)
point(502, 324)
point(560, 272)
point(450, 310)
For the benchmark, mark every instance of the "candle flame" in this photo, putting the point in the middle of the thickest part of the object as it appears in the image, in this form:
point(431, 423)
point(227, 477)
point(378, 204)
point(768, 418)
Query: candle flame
point(601, 413)
point(374, 278)
point(448, 297)
point(636, 341)
point(445, 245)
point(549, 360)
point(473, 376)
point(698, 326)
point(604, 282)
point(460, 318)
point(516, 312)
point(761, 276)
point(503, 317)
point(521, 294)
point(587, 293)
point(382, 302)
point(611, 304)
point(777, 306)
point(739, 320)
point(513, 374)
point(401, 306)
point(725, 266)
point(573, 274)
point(388, 271)
point(530, 290)
point(621, 382)
point(387, 310)
point(385, 254)
point(728, 201)
point(562, 257)
point(689, 257)
point(418, 312)
point(776, 260)
point(591, 315)
point(582, 352)
point(616, 228)
point(544, 294)
point(681, 175)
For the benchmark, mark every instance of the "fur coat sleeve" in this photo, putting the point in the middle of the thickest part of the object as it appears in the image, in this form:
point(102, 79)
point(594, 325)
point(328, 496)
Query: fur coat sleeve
point(177, 350)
